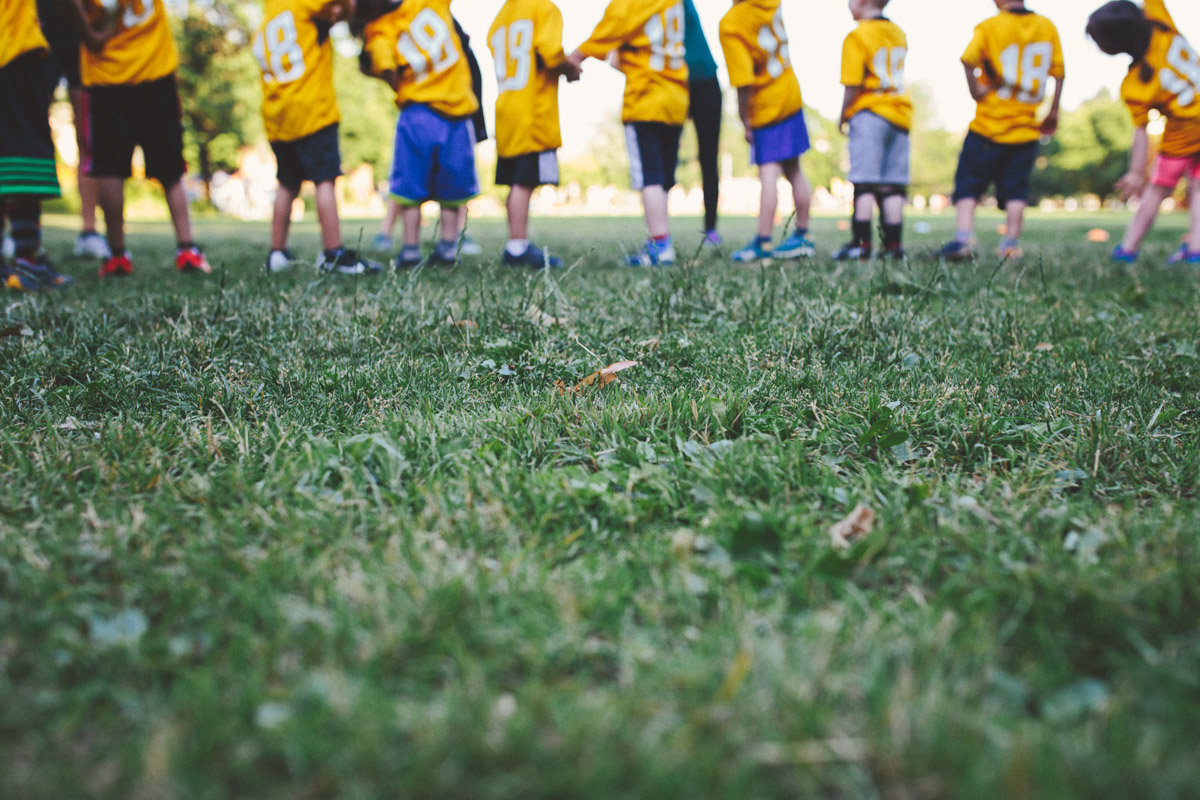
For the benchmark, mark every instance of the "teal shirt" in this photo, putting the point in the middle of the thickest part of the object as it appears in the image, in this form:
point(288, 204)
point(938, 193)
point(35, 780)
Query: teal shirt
point(700, 63)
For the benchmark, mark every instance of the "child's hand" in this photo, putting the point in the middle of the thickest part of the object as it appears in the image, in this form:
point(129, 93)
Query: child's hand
point(1050, 124)
point(571, 71)
point(1131, 185)
point(94, 39)
point(844, 127)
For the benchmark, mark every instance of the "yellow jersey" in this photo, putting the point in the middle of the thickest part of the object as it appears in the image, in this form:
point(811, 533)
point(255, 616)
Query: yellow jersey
point(1016, 53)
point(142, 50)
point(417, 39)
point(873, 57)
point(296, 57)
point(757, 56)
point(526, 43)
point(23, 34)
point(647, 36)
point(1173, 88)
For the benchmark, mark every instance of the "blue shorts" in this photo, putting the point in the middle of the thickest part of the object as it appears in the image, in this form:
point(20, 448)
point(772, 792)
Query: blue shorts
point(434, 158)
point(984, 162)
point(313, 158)
point(653, 153)
point(783, 141)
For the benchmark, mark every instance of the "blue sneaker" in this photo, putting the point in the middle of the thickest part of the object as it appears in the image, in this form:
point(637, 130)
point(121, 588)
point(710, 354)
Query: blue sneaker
point(957, 251)
point(653, 254)
point(1123, 256)
point(34, 275)
point(533, 257)
point(1184, 256)
point(383, 242)
point(795, 246)
point(757, 250)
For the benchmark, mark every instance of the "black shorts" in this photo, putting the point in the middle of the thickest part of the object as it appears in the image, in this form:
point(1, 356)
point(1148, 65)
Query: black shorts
point(64, 45)
point(653, 153)
point(26, 149)
point(119, 118)
point(984, 162)
point(530, 170)
point(315, 158)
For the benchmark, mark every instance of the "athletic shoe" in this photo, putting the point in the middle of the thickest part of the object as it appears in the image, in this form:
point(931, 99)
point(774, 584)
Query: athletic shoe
point(468, 246)
point(1123, 256)
point(853, 251)
point(118, 265)
point(347, 262)
point(402, 261)
point(1011, 253)
point(652, 254)
point(383, 242)
point(795, 246)
point(712, 240)
point(191, 259)
point(957, 251)
point(33, 275)
point(90, 244)
point(445, 254)
point(1184, 256)
point(279, 260)
point(896, 253)
point(8, 248)
point(534, 257)
point(755, 251)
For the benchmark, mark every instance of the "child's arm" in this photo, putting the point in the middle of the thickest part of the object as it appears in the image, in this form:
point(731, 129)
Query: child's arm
point(93, 39)
point(1133, 183)
point(1050, 123)
point(979, 89)
point(744, 95)
point(848, 101)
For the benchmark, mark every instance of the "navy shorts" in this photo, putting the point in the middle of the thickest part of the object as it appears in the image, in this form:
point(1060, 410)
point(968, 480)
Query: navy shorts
point(984, 162)
point(530, 170)
point(315, 158)
point(120, 118)
point(26, 149)
point(434, 158)
point(783, 141)
point(64, 45)
point(653, 153)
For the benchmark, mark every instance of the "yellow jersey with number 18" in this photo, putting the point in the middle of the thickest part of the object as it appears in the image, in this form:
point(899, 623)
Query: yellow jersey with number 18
point(1016, 53)
point(873, 57)
point(526, 43)
point(757, 56)
point(417, 39)
point(23, 34)
point(296, 58)
point(647, 36)
point(1173, 88)
point(142, 50)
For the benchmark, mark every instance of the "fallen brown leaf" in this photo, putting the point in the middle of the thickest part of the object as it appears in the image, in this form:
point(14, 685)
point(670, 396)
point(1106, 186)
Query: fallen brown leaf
point(540, 317)
point(858, 524)
point(596, 380)
point(468, 324)
point(1044, 347)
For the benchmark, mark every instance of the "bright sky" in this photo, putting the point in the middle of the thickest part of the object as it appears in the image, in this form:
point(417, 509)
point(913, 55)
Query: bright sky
point(938, 31)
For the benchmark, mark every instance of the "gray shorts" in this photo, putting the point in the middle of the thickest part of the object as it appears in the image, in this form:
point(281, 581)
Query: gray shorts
point(878, 151)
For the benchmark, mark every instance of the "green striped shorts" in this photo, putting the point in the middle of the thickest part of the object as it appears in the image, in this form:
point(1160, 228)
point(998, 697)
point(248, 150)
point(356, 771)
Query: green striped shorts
point(34, 177)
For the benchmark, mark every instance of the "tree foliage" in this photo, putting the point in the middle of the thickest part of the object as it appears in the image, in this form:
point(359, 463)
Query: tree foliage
point(1089, 152)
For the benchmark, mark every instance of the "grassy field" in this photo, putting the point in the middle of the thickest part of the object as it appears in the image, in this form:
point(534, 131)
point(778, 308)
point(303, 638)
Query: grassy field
point(305, 538)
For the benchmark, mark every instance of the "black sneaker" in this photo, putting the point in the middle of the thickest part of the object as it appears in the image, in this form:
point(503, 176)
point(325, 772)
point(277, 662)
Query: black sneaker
point(533, 257)
point(853, 251)
point(347, 262)
point(407, 260)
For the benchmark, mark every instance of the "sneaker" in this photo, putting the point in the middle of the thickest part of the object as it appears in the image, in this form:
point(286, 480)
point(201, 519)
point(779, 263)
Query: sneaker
point(33, 275)
point(118, 265)
point(191, 259)
point(348, 262)
point(755, 251)
point(1184, 256)
point(383, 242)
point(279, 260)
point(446, 254)
point(1011, 253)
point(90, 244)
point(957, 251)
point(652, 254)
point(8, 248)
point(853, 251)
point(404, 261)
point(1123, 256)
point(533, 257)
point(711, 240)
point(795, 246)
point(468, 246)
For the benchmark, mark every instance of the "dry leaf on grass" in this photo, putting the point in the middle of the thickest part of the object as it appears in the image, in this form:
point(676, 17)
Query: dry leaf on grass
point(596, 380)
point(653, 342)
point(860, 523)
point(539, 317)
point(467, 324)
point(1044, 347)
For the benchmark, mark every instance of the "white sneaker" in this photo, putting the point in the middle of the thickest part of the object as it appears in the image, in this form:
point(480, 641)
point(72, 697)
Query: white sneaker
point(469, 247)
point(279, 260)
point(8, 249)
point(92, 245)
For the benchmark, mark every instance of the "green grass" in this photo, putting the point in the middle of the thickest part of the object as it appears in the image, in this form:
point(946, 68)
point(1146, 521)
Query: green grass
point(304, 538)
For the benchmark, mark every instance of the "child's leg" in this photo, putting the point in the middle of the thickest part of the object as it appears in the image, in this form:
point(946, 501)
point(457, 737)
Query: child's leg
point(410, 215)
point(801, 192)
point(327, 215)
point(88, 195)
point(518, 212)
point(1015, 209)
point(460, 221)
point(389, 217)
point(111, 194)
point(177, 203)
point(452, 218)
point(1147, 210)
point(658, 220)
point(964, 221)
point(281, 217)
point(1193, 242)
point(864, 212)
point(892, 213)
point(768, 204)
point(25, 217)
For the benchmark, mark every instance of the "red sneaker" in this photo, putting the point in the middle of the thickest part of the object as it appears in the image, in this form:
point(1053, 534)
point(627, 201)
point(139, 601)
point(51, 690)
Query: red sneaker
point(117, 265)
point(191, 259)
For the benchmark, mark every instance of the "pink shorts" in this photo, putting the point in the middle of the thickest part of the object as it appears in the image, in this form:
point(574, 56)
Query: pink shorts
point(1169, 169)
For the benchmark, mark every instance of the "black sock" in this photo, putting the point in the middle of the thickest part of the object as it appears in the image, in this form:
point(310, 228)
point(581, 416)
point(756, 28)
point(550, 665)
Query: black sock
point(862, 232)
point(892, 235)
point(25, 217)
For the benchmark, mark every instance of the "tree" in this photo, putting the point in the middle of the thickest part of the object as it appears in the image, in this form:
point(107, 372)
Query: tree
point(934, 149)
point(1089, 152)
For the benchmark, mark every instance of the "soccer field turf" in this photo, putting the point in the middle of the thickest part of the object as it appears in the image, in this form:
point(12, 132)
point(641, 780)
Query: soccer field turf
point(296, 537)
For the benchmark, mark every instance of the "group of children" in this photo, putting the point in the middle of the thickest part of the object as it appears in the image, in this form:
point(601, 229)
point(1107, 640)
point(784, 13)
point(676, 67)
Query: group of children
point(127, 70)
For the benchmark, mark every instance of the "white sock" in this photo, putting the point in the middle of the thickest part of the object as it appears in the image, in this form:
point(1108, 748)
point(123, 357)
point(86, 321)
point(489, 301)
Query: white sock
point(517, 247)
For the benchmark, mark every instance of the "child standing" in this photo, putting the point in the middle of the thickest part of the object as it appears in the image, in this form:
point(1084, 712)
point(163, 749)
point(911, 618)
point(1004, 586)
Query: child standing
point(706, 102)
point(879, 116)
point(133, 99)
point(1008, 63)
point(414, 49)
point(301, 118)
point(27, 173)
point(1165, 77)
point(769, 103)
point(526, 41)
point(648, 38)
